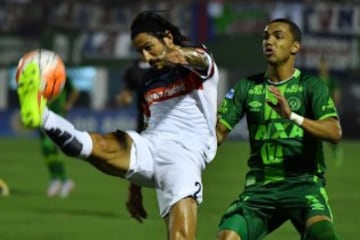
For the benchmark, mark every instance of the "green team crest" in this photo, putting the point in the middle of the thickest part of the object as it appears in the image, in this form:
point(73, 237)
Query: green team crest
point(294, 103)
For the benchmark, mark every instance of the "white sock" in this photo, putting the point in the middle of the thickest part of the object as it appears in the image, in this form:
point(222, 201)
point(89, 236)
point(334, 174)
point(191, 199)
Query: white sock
point(73, 142)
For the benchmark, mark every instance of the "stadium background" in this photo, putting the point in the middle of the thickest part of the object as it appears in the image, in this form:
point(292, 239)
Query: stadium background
point(93, 39)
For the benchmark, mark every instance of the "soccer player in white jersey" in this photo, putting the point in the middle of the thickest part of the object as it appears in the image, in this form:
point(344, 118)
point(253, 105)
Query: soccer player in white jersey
point(171, 153)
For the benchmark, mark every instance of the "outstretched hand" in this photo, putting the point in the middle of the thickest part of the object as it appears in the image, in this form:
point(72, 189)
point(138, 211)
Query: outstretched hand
point(173, 56)
point(134, 204)
point(279, 103)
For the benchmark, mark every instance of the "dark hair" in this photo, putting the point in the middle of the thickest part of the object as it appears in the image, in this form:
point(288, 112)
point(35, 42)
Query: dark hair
point(294, 29)
point(152, 23)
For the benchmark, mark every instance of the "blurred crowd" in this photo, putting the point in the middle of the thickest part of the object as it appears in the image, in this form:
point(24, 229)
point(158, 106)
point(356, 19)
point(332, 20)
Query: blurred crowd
point(95, 33)
point(30, 17)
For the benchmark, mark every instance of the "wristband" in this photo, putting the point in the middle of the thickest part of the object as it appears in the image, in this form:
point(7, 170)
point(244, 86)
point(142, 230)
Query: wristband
point(296, 118)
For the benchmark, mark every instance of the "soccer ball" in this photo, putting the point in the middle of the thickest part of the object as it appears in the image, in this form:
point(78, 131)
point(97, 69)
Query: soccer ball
point(52, 71)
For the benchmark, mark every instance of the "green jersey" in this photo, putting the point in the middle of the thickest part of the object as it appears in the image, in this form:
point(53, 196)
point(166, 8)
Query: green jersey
point(279, 147)
point(58, 104)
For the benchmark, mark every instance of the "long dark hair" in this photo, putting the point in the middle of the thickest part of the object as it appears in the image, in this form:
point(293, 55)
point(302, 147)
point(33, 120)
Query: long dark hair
point(152, 23)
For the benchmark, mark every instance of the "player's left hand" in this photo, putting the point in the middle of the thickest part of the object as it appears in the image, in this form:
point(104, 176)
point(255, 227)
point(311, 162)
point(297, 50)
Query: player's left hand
point(134, 205)
point(279, 104)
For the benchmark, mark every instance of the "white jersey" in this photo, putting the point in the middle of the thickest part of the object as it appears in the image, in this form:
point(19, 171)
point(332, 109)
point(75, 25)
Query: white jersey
point(181, 106)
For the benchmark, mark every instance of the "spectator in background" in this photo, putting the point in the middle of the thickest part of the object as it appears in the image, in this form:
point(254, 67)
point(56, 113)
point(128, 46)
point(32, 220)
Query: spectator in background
point(59, 184)
point(335, 92)
point(134, 89)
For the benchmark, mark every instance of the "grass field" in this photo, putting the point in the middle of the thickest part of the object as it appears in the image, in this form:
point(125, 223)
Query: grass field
point(96, 208)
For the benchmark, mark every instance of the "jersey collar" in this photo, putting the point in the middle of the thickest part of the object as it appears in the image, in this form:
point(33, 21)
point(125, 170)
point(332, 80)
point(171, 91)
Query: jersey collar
point(296, 74)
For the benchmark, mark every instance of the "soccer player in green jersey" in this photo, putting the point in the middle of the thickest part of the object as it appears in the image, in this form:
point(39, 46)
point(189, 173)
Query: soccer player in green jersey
point(335, 92)
point(59, 183)
point(289, 113)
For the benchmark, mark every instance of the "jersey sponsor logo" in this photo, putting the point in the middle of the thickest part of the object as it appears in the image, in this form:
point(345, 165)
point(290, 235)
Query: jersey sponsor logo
point(257, 90)
point(278, 130)
point(294, 89)
point(294, 103)
point(164, 93)
point(175, 89)
point(255, 106)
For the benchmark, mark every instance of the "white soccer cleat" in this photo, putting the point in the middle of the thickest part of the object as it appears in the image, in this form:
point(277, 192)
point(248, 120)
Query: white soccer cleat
point(54, 188)
point(66, 188)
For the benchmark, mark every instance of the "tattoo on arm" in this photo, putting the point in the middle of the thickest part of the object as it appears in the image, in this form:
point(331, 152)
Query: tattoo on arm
point(195, 59)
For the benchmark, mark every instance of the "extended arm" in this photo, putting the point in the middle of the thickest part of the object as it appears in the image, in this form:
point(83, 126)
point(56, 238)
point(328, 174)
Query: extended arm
point(221, 132)
point(195, 58)
point(134, 204)
point(186, 56)
point(328, 129)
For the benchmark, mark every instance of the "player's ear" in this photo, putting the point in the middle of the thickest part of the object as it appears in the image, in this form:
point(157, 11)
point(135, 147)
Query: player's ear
point(168, 38)
point(295, 48)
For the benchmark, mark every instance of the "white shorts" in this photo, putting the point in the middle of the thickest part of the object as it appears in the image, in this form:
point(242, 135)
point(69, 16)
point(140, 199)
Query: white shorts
point(173, 170)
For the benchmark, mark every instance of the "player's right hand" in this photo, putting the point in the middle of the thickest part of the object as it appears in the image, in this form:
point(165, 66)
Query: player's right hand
point(134, 204)
point(279, 103)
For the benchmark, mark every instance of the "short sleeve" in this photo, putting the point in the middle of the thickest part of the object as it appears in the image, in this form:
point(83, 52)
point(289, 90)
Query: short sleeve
point(321, 101)
point(231, 109)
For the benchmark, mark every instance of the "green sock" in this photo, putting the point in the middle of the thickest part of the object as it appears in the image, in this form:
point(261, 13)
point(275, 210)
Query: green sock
point(323, 230)
point(56, 167)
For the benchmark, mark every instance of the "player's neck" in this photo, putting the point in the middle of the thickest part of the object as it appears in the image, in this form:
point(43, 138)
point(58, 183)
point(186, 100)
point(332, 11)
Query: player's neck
point(280, 73)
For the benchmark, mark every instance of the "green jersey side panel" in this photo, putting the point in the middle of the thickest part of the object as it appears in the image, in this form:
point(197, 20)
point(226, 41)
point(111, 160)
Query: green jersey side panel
point(279, 147)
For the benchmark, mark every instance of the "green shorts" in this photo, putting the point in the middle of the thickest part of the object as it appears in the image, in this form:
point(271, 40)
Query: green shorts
point(260, 209)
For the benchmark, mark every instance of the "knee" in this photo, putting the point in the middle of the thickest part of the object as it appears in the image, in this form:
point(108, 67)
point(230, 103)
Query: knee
point(123, 139)
point(228, 235)
point(111, 154)
point(181, 234)
point(111, 144)
point(183, 220)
